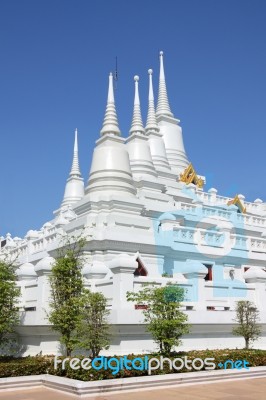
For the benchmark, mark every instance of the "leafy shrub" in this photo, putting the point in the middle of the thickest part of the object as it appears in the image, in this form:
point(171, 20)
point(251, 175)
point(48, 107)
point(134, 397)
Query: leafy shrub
point(24, 366)
point(40, 365)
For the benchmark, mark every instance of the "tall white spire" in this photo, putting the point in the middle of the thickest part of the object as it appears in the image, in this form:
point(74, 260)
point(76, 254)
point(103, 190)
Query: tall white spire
point(138, 144)
point(151, 117)
point(170, 129)
point(74, 189)
point(75, 163)
point(110, 172)
point(137, 124)
point(163, 107)
point(110, 122)
point(156, 142)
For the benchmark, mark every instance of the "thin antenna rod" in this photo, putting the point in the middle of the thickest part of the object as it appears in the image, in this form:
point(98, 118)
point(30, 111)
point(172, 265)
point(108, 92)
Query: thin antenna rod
point(116, 73)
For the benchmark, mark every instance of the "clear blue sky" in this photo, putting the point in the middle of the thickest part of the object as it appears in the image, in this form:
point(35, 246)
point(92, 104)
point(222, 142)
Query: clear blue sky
point(55, 60)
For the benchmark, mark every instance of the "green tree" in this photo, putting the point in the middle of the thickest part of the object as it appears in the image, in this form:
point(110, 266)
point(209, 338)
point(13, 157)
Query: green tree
point(66, 292)
point(165, 321)
point(9, 294)
point(247, 317)
point(166, 275)
point(93, 329)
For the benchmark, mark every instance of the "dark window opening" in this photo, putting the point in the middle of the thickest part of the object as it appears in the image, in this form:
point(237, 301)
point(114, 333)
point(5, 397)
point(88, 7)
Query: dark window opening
point(208, 277)
point(141, 307)
point(30, 308)
point(3, 243)
point(140, 270)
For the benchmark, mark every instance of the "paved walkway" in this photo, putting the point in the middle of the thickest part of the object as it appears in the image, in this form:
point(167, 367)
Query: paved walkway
point(249, 389)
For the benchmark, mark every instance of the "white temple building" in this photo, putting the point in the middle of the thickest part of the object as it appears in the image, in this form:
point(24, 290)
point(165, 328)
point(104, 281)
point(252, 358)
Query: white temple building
point(147, 219)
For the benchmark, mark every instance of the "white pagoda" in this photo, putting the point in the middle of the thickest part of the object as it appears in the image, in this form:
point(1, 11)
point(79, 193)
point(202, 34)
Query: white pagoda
point(147, 220)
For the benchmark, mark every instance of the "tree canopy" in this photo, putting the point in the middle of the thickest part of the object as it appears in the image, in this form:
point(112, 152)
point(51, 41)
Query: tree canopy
point(9, 295)
point(165, 321)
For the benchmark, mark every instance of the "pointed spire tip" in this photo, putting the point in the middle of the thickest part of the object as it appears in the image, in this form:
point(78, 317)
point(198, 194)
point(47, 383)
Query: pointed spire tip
point(110, 122)
point(163, 107)
point(75, 163)
point(151, 118)
point(137, 124)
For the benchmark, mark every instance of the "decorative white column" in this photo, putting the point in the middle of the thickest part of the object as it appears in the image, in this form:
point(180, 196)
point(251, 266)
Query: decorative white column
point(257, 277)
point(195, 272)
point(212, 192)
point(259, 206)
point(43, 270)
point(123, 267)
point(25, 273)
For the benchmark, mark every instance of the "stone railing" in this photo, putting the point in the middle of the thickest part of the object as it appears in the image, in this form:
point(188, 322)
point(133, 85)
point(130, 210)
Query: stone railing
point(252, 207)
point(257, 245)
point(182, 234)
point(207, 295)
point(251, 220)
point(190, 208)
point(38, 245)
point(215, 212)
point(212, 211)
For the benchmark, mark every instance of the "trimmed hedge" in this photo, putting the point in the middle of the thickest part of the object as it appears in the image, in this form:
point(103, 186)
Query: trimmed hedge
point(24, 366)
point(41, 365)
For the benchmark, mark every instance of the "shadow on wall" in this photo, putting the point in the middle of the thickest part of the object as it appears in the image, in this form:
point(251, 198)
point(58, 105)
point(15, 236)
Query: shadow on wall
point(13, 348)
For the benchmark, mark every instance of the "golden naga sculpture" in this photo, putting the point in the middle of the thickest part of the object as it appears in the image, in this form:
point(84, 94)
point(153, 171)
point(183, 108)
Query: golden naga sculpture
point(190, 176)
point(237, 202)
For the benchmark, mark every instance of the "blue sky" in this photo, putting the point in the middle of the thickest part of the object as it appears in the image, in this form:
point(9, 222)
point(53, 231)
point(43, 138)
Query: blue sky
point(55, 60)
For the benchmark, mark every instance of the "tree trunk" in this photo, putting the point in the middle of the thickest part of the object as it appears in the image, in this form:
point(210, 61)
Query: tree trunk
point(246, 343)
point(68, 351)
